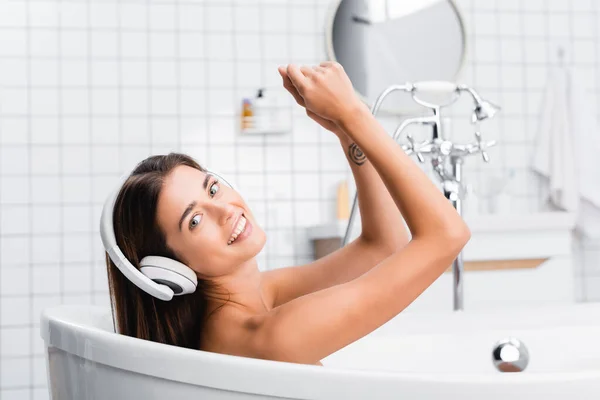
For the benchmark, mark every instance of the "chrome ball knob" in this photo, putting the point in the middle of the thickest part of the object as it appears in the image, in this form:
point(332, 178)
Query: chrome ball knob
point(510, 355)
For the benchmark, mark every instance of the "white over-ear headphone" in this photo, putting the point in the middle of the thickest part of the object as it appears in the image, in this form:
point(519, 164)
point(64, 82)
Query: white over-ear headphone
point(160, 277)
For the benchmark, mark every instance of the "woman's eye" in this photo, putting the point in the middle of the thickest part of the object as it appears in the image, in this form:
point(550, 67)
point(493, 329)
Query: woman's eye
point(194, 221)
point(211, 191)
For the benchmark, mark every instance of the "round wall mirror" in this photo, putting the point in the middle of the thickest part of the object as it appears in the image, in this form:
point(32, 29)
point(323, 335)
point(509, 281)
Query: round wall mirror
point(388, 42)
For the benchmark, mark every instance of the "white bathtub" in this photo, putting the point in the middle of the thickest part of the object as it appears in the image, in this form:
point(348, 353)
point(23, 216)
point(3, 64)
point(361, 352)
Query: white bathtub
point(415, 356)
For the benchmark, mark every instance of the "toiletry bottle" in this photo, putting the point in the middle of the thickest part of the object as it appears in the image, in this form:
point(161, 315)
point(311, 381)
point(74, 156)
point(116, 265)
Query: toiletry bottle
point(261, 110)
point(343, 206)
point(247, 114)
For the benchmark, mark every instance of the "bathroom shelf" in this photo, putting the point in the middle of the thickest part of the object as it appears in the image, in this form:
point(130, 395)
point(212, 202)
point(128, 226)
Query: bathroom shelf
point(268, 131)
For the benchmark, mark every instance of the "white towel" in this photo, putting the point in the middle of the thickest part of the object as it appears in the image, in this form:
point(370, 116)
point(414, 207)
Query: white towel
point(553, 155)
point(567, 151)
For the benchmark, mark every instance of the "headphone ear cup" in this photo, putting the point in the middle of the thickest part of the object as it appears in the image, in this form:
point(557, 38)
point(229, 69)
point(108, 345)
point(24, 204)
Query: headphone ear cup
point(166, 271)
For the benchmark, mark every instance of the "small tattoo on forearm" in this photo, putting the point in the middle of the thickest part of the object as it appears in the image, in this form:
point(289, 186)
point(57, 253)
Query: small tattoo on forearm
point(356, 154)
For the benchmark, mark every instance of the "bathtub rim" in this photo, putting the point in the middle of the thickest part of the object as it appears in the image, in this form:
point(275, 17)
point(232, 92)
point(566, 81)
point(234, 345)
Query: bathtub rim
point(189, 366)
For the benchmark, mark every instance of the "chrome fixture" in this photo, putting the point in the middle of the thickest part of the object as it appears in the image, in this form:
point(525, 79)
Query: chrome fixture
point(483, 108)
point(510, 355)
point(440, 150)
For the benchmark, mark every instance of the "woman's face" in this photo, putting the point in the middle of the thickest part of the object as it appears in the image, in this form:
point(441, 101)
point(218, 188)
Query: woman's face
point(198, 215)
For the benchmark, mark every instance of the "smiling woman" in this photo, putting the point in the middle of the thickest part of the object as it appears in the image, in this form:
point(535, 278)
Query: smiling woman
point(182, 232)
point(172, 208)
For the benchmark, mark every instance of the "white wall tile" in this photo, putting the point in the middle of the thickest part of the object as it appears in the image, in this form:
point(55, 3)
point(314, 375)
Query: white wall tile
point(279, 187)
point(303, 19)
point(13, 72)
point(133, 14)
point(14, 281)
point(105, 102)
point(43, 14)
point(14, 190)
point(76, 219)
point(105, 130)
point(15, 220)
point(248, 46)
point(45, 160)
point(76, 190)
point(46, 249)
point(46, 279)
point(190, 16)
point(103, 15)
point(13, 42)
point(192, 74)
point(303, 49)
point(44, 72)
point(221, 159)
point(45, 130)
point(13, 131)
point(43, 42)
point(274, 18)
point(103, 43)
point(15, 250)
point(251, 188)
point(220, 18)
point(39, 371)
point(333, 158)
point(73, 43)
point(76, 248)
point(509, 24)
point(15, 342)
point(77, 278)
point(278, 159)
point(162, 45)
point(15, 311)
point(14, 372)
point(306, 187)
point(14, 101)
point(560, 25)
point(221, 102)
point(250, 158)
point(14, 160)
point(75, 102)
point(281, 213)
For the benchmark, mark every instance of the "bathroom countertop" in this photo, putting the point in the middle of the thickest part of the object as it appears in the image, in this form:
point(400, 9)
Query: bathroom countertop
point(497, 236)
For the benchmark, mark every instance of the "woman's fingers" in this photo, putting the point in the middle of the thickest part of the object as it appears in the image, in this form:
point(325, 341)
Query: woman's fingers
point(297, 77)
point(287, 83)
point(330, 64)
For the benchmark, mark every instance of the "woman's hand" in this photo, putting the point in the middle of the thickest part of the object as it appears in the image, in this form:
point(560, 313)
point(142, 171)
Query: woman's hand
point(324, 90)
point(325, 123)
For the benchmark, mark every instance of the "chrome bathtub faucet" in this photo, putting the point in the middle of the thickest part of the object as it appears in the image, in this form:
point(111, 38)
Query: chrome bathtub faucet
point(446, 157)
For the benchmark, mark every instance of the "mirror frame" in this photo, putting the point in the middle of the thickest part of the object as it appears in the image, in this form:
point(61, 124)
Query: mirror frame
point(330, 54)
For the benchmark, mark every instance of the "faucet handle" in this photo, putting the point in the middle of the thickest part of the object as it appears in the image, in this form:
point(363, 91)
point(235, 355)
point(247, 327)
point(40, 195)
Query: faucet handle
point(411, 146)
point(481, 146)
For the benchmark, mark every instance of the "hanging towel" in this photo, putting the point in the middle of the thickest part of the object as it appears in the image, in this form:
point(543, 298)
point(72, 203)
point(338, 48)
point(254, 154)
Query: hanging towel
point(567, 151)
point(553, 156)
point(587, 153)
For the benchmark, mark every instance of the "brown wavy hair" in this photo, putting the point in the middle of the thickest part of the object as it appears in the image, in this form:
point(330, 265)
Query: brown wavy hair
point(176, 322)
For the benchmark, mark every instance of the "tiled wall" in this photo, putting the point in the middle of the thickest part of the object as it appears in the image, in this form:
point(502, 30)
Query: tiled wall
point(89, 88)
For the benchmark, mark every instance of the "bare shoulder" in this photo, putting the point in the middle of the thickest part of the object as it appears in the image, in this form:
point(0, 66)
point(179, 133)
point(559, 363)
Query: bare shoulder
point(227, 331)
point(235, 332)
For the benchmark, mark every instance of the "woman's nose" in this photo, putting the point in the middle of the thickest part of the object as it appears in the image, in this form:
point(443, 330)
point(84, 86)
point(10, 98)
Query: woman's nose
point(224, 211)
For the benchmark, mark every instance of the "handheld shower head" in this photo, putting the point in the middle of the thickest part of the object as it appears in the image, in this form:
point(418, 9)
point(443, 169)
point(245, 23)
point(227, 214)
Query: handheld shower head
point(483, 108)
